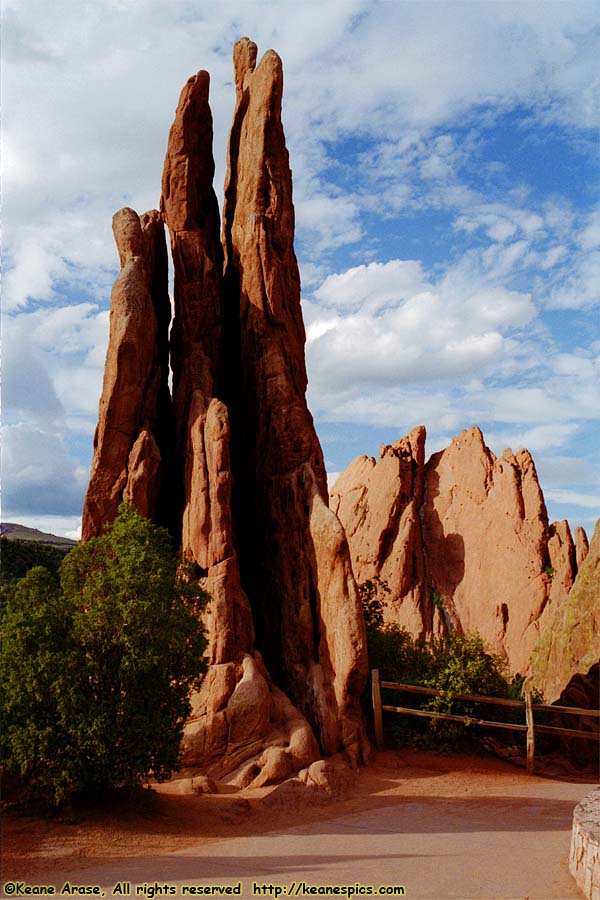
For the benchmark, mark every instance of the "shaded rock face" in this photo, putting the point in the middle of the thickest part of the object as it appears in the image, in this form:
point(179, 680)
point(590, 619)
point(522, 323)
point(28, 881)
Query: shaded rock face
point(581, 546)
point(583, 692)
point(570, 641)
point(131, 443)
point(247, 481)
point(463, 540)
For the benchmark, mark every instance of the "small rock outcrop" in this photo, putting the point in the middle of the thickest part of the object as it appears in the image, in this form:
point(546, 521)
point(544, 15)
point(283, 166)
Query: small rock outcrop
point(246, 480)
point(582, 692)
point(463, 541)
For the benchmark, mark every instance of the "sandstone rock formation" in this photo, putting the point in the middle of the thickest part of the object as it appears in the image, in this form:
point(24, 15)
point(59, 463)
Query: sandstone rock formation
point(131, 440)
point(293, 555)
point(570, 642)
point(379, 505)
point(190, 209)
point(463, 541)
point(247, 483)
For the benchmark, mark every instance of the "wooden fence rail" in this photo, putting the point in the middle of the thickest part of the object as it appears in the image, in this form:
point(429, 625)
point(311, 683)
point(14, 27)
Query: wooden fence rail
point(530, 708)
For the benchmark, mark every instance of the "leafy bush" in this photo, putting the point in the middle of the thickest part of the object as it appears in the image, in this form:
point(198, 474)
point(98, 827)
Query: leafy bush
point(463, 665)
point(455, 664)
point(96, 673)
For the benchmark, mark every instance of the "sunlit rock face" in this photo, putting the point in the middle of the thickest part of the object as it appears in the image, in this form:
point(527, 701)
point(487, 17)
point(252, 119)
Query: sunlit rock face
point(462, 540)
point(246, 481)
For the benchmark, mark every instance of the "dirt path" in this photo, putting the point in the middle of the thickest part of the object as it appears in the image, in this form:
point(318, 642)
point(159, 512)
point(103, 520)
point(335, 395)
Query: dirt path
point(442, 827)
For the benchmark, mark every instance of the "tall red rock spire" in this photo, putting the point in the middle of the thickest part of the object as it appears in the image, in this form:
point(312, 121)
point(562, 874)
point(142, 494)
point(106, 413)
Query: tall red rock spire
point(294, 559)
point(248, 460)
point(190, 209)
point(132, 437)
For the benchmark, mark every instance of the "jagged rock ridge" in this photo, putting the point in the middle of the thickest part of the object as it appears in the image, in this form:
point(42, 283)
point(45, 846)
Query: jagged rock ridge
point(247, 487)
point(462, 540)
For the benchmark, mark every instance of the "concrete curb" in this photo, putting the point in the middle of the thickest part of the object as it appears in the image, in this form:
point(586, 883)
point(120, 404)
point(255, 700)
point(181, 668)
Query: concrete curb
point(584, 858)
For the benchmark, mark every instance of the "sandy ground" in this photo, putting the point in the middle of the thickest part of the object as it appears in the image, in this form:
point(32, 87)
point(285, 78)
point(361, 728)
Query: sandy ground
point(442, 827)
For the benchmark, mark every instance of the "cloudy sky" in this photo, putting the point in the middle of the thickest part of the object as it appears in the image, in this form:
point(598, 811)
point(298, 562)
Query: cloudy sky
point(446, 181)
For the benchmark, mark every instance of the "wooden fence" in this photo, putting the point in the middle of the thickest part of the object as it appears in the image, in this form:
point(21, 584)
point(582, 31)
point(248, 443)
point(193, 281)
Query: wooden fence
point(530, 708)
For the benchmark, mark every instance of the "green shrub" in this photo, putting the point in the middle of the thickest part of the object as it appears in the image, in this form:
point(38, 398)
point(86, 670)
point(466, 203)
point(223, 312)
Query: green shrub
point(455, 664)
point(463, 665)
point(96, 673)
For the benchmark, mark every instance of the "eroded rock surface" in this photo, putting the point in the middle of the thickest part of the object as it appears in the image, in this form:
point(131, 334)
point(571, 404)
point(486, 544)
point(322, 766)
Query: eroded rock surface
point(235, 716)
point(581, 546)
point(379, 505)
point(489, 548)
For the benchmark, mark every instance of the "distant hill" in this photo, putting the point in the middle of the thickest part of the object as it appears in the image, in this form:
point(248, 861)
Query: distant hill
point(23, 548)
point(15, 532)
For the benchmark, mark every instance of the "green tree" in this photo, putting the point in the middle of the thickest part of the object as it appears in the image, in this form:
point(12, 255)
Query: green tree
point(41, 678)
point(96, 675)
point(18, 557)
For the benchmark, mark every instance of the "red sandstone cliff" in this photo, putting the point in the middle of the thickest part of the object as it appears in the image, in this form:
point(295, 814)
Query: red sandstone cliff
point(462, 540)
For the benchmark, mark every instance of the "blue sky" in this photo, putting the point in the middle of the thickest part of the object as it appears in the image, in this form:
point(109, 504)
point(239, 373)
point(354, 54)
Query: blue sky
point(446, 183)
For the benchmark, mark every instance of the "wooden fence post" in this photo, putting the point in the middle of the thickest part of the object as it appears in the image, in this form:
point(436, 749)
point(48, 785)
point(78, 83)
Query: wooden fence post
point(530, 733)
point(377, 710)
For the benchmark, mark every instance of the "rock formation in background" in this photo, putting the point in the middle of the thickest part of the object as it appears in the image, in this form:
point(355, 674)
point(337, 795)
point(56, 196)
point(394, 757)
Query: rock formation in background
point(131, 443)
point(463, 540)
point(570, 641)
point(247, 482)
point(379, 505)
